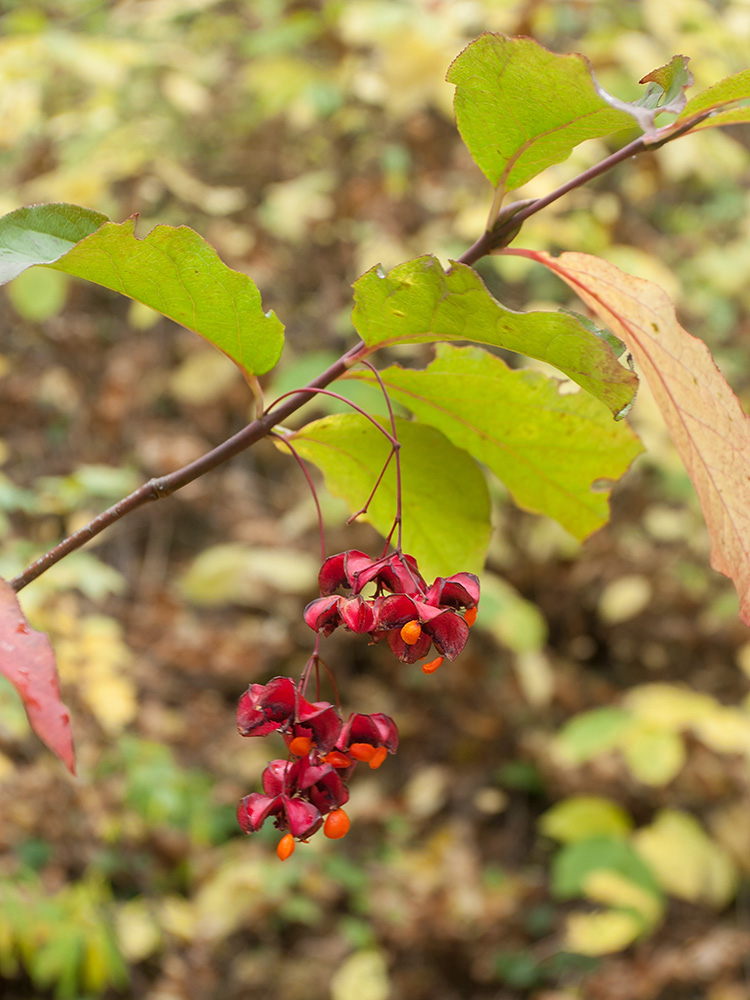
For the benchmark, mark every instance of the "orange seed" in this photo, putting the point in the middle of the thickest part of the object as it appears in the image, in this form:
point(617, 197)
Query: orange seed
point(285, 847)
point(362, 751)
point(300, 746)
point(336, 825)
point(411, 632)
point(378, 757)
point(431, 667)
point(470, 616)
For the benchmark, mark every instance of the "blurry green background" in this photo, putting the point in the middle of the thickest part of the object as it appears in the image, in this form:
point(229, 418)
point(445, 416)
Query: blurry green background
point(577, 780)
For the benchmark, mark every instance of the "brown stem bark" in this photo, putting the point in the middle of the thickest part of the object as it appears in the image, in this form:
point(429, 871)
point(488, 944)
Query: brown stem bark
point(164, 486)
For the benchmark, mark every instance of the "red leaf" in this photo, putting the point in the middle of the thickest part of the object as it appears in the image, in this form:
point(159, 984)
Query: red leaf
point(27, 660)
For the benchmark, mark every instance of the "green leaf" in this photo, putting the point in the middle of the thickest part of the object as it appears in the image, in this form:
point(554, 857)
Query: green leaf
point(575, 862)
point(521, 108)
point(667, 85)
point(518, 969)
point(38, 294)
point(512, 620)
point(446, 505)
point(592, 733)
point(733, 88)
point(233, 573)
point(665, 92)
point(583, 817)
point(550, 450)
point(172, 270)
point(731, 116)
point(41, 235)
point(419, 303)
point(618, 348)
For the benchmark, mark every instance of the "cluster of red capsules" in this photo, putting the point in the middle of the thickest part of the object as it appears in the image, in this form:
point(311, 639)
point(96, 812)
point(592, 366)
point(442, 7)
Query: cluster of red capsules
point(308, 789)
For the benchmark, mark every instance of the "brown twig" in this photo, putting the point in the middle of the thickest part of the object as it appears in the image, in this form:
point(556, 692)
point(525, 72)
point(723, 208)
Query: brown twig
point(164, 486)
point(511, 218)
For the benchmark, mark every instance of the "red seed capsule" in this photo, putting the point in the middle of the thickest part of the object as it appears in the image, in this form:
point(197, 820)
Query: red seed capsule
point(285, 847)
point(411, 632)
point(431, 667)
point(470, 616)
point(336, 825)
point(300, 746)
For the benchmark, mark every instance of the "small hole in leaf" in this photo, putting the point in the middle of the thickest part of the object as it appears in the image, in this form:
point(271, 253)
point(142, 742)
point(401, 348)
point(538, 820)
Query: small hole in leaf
point(602, 485)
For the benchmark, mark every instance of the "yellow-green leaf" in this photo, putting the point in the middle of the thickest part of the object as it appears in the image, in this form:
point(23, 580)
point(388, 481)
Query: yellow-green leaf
point(606, 886)
point(585, 816)
point(520, 108)
point(654, 756)
point(552, 450)
point(363, 975)
point(172, 270)
point(685, 861)
point(420, 303)
point(601, 933)
point(445, 499)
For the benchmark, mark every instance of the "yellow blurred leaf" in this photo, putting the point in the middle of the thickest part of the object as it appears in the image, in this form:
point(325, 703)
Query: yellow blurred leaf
point(7, 767)
point(725, 730)
point(214, 200)
point(667, 706)
point(426, 791)
point(730, 825)
point(653, 755)
point(536, 676)
point(240, 574)
point(94, 657)
point(685, 861)
point(186, 93)
point(177, 916)
point(363, 975)
point(290, 206)
point(138, 933)
point(624, 598)
point(607, 886)
point(514, 621)
point(203, 377)
point(142, 317)
point(38, 293)
point(585, 816)
point(97, 966)
point(112, 700)
point(601, 933)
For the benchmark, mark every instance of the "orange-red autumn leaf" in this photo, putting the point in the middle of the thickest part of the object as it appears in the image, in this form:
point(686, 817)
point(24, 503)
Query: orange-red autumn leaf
point(703, 415)
point(27, 660)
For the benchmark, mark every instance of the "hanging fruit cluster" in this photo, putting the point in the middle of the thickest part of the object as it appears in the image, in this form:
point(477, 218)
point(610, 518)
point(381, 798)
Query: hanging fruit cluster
point(308, 789)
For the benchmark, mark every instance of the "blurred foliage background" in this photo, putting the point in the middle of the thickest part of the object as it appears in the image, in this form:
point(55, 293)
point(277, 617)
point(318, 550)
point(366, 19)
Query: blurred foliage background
point(569, 812)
